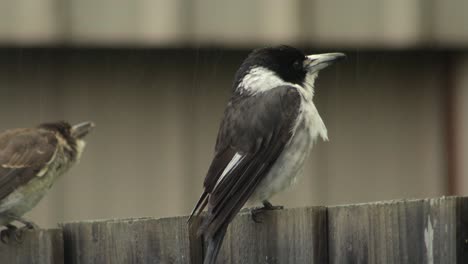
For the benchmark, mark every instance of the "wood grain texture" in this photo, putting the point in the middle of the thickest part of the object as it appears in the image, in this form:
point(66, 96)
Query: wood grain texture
point(284, 236)
point(144, 240)
point(401, 231)
point(37, 247)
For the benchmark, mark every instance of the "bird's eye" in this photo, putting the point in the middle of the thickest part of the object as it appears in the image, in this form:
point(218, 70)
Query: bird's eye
point(297, 65)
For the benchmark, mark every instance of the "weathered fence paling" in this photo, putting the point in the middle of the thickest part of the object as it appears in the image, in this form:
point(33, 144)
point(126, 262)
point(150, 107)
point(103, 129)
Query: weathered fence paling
point(36, 247)
point(413, 231)
point(284, 236)
point(143, 240)
point(400, 231)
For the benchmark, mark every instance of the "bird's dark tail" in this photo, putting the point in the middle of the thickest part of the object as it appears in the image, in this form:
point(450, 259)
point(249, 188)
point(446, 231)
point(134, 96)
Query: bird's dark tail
point(214, 245)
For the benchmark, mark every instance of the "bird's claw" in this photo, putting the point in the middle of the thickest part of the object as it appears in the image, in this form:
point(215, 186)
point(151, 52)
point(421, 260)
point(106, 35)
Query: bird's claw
point(15, 232)
point(30, 226)
point(20, 231)
point(27, 224)
point(6, 234)
point(268, 206)
point(257, 213)
point(19, 235)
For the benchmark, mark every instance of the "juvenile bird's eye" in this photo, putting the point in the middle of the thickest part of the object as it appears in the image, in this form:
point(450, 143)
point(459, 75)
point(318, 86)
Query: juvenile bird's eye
point(297, 65)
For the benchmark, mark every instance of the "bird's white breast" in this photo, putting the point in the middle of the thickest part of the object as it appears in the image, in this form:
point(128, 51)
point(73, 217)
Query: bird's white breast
point(308, 127)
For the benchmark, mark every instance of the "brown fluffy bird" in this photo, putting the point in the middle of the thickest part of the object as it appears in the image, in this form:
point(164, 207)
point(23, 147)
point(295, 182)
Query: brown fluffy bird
point(31, 160)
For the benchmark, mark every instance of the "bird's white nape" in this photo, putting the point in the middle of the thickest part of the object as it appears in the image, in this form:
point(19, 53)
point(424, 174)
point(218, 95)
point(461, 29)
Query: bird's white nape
point(258, 80)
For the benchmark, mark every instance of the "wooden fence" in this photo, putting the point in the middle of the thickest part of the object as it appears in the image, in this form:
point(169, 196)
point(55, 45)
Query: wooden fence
point(400, 231)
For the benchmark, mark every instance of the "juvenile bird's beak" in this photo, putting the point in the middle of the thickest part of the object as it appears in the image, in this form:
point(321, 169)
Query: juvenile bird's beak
point(317, 62)
point(82, 129)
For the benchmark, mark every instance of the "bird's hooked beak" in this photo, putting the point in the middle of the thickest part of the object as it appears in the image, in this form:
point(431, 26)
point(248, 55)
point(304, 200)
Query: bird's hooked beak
point(317, 62)
point(80, 130)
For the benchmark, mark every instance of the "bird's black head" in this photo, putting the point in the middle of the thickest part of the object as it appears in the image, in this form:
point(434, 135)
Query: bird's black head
point(281, 64)
point(68, 132)
point(72, 135)
point(287, 62)
point(61, 127)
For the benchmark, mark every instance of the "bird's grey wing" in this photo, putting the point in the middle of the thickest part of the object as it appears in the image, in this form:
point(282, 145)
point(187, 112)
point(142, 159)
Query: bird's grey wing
point(252, 135)
point(23, 154)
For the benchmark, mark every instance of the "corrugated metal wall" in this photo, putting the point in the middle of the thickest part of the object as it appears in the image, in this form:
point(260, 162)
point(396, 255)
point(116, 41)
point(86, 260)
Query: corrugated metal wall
point(358, 23)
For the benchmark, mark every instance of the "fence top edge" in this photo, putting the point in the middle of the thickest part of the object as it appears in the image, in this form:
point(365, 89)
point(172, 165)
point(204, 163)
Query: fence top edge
point(286, 210)
point(184, 218)
point(119, 220)
point(402, 201)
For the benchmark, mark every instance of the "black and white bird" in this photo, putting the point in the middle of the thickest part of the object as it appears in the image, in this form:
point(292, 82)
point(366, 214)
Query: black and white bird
point(31, 160)
point(267, 132)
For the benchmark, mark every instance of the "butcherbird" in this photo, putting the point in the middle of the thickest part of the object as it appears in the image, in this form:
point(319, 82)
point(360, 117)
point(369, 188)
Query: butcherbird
point(31, 160)
point(268, 129)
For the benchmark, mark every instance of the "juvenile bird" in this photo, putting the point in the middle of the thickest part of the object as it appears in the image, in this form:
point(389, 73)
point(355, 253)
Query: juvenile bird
point(268, 129)
point(31, 160)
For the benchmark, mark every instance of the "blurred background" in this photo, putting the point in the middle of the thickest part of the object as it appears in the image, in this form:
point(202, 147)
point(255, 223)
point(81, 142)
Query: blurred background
point(155, 76)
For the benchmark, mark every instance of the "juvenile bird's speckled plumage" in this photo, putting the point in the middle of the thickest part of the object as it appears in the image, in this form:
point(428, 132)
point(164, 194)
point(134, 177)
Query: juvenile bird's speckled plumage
point(31, 160)
point(268, 129)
